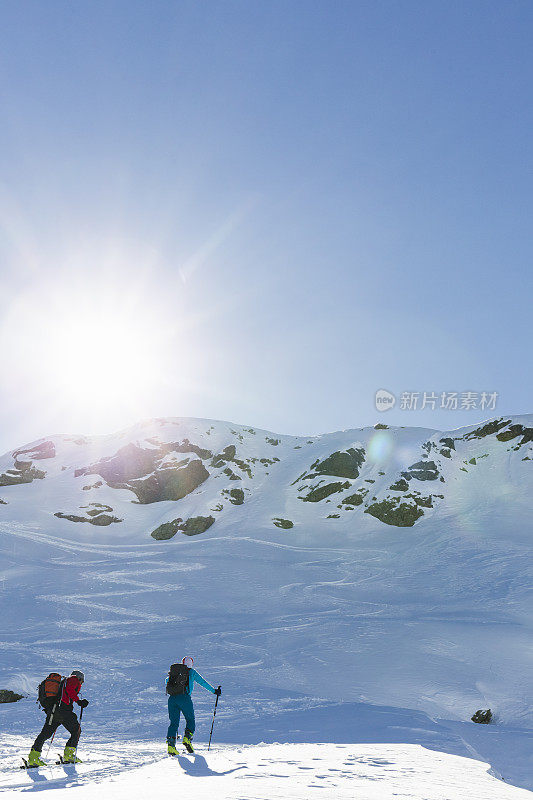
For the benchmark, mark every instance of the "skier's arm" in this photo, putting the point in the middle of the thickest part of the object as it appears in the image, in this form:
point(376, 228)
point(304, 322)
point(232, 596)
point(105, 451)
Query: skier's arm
point(198, 678)
point(71, 690)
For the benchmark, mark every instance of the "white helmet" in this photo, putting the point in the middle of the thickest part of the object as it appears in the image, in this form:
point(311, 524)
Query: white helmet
point(187, 660)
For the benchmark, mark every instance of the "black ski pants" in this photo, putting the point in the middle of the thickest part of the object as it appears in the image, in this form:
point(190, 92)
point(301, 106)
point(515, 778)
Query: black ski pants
point(65, 717)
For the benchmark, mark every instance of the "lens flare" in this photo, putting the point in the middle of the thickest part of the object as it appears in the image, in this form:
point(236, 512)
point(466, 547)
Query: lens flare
point(380, 447)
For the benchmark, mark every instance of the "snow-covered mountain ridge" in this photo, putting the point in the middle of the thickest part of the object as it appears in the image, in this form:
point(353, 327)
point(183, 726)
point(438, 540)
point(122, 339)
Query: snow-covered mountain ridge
point(364, 583)
point(171, 475)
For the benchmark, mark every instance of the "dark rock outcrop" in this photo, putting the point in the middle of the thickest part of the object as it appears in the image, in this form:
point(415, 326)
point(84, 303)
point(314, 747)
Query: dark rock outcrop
point(128, 463)
point(401, 485)
point(191, 527)
point(167, 530)
point(196, 525)
point(143, 471)
point(7, 696)
point(482, 717)
point(70, 517)
point(169, 483)
point(228, 454)
point(487, 430)
point(345, 464)
point(39, 451)
point(95, 516)
point(104, 519)
point(424, 502)
point(355, 499)
point(422, 471)
point(448, 443)
point(186, 446)
point(24, 472)
point(514, 431)
point(236, 496)
point(392, 512)
point(286, 524)
point(319, 493)
point(140, 470)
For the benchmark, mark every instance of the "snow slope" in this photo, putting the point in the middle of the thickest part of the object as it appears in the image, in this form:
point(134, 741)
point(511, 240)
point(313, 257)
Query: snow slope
point(340, 771)
point(342, 628)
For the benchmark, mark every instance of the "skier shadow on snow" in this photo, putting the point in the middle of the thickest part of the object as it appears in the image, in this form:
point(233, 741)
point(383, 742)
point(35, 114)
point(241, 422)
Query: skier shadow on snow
point(42, 782)
point(199, 767)
point(39, 781)
point(67, 776)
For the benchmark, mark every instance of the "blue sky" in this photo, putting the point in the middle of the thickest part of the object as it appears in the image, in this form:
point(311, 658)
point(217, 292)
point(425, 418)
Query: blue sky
point(297, 203)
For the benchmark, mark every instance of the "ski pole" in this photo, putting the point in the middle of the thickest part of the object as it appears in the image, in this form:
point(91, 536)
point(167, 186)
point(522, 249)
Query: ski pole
point(213, 723)
point(76, 750)
point(50, 745)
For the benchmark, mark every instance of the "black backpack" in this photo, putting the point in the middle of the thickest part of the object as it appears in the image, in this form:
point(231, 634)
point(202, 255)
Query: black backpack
point(178, 679)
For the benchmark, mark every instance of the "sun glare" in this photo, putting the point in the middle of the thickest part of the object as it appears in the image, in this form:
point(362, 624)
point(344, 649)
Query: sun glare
point(97, 360)
point(91, 353)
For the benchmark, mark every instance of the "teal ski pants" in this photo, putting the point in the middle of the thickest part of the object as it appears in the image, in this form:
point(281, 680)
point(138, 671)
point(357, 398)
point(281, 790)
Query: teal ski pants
point(180, 704)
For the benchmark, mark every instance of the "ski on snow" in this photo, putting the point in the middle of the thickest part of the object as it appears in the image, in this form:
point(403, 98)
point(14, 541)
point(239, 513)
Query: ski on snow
point(25, 765)
point(65, 763)
point(61, 762)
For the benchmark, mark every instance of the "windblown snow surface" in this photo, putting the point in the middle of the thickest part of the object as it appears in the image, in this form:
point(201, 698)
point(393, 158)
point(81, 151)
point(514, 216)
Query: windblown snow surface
point(352, 652)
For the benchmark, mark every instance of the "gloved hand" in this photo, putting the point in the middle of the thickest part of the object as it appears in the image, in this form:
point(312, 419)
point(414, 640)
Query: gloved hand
point(84, 703)
point(218, 691)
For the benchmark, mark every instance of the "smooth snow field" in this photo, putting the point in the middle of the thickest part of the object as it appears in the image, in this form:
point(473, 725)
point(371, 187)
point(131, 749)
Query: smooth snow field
point(263, 772)
point(351, 653)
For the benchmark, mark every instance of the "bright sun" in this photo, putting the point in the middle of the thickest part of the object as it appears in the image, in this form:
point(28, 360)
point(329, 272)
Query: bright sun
point(97, 359)
point(92, 355)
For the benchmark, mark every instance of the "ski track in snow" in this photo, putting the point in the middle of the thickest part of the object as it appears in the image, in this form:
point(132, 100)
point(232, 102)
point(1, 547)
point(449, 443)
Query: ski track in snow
point(304, 609)
point(339, 630)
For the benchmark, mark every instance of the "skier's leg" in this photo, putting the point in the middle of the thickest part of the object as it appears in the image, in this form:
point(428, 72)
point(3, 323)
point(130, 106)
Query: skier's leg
point(70, 721)
point(174, 716)
point(48, 730)
point(188, 712)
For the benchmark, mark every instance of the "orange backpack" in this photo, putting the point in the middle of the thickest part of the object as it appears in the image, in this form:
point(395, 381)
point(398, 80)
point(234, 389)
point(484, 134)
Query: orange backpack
point(50, 691)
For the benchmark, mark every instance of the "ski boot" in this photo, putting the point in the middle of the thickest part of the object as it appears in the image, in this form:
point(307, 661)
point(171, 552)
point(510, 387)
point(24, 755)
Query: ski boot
point(69, 756)
point(187, 742)
point(35, 760)
point(172, 749)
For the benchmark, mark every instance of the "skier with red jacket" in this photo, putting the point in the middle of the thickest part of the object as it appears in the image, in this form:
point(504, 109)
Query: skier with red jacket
point(62, 713)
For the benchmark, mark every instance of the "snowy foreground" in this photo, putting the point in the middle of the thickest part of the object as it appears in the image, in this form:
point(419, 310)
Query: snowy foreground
point(321, 621)
point(263, 772)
